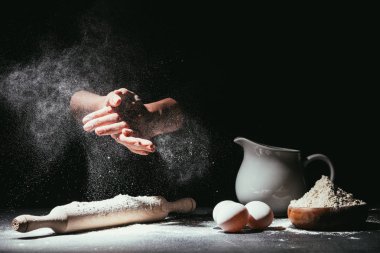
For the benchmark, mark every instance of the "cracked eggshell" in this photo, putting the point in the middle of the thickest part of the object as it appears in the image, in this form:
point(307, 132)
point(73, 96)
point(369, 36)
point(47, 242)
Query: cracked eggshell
point(260, 215)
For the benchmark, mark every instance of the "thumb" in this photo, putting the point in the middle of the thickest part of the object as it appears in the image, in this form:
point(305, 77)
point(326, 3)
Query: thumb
point(114, 100)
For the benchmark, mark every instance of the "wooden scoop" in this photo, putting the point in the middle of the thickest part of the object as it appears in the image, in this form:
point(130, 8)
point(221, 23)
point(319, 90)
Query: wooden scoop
point(79, 216)
point(342, 218)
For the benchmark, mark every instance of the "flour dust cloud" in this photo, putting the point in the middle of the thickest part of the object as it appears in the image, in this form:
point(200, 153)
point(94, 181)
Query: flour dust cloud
point(38, 91)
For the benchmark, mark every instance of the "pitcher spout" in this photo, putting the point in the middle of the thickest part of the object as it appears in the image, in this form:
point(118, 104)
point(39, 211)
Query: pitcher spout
point(244, 142)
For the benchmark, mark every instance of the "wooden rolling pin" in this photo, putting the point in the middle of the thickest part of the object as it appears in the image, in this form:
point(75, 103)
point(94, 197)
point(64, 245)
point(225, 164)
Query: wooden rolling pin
point(120, 210)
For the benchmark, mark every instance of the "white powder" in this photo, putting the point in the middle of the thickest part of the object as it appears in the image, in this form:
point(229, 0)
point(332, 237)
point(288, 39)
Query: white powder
point(285, 225)
point(116, 204)
point(326, 194)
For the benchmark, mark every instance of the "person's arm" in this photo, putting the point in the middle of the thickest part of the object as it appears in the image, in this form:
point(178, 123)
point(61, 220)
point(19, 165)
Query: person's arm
point(165, 116)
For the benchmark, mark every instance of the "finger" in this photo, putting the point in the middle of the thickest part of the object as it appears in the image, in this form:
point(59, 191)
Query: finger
point(133, 143)
point(99, 113)
point(139, 152)
point(131, 148)
point(137, 143)
point(135, 147)
point(121, 91)
point(111, 128)
point(138, 148)
point(125, 131)
point(107, 119)
point(114, 99)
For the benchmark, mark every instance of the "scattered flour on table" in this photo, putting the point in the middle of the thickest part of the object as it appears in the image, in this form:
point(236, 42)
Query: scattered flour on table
point(287, 226)
point(116, 204)
point(166, 228)
point(326, 194)
point(373, 219)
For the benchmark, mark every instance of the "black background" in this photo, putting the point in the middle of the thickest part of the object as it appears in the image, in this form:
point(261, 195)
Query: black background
point(291, 76)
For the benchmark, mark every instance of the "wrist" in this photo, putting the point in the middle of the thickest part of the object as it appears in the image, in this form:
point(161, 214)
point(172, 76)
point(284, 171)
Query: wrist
point(84, 102)
point(100, 102)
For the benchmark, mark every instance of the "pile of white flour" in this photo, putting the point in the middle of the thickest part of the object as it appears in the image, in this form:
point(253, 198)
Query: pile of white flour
point(326, 194)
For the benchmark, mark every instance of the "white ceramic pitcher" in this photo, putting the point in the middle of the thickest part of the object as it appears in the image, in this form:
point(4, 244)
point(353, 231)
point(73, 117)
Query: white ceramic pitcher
point(272, 175)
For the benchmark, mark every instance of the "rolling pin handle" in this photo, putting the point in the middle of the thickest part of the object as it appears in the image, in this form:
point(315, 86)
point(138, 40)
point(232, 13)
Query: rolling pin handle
point(20, 224)
point(185, 205)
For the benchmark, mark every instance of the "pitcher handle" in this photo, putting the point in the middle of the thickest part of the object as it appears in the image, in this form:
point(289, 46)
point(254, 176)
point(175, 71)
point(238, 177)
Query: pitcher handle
point(324, 158)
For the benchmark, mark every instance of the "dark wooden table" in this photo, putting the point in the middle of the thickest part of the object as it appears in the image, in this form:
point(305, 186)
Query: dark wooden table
point(191, 233)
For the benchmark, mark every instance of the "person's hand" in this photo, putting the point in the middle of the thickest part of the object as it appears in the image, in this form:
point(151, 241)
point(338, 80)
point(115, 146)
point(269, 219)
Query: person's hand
point(106, 120)
point(116, 109)
point(109, 120)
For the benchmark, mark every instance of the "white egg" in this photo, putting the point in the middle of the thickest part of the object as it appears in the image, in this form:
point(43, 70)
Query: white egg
point(260, 215)
point(230, 216)
point(219, 206)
